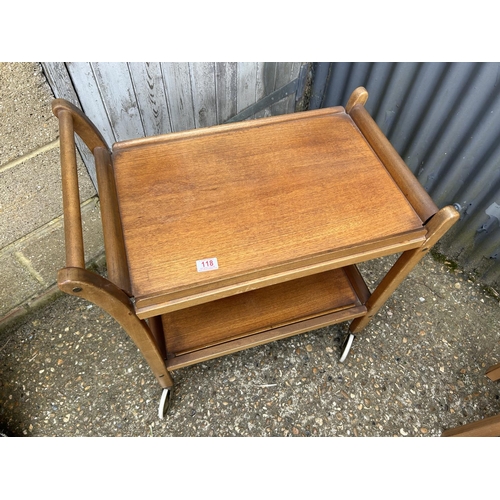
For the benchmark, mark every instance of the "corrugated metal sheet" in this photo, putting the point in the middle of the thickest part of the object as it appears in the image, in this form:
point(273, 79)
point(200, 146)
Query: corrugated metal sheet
point(444, 120)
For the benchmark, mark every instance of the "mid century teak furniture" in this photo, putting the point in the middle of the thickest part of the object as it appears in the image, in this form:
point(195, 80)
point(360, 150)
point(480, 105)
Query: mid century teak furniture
point(232, 236)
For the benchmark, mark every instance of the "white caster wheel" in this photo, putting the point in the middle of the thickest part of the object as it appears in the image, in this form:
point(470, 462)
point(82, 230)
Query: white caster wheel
point(166, 396)
point(346, 346)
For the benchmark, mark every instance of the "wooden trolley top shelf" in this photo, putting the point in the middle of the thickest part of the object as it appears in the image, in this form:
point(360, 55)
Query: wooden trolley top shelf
point(272, 200)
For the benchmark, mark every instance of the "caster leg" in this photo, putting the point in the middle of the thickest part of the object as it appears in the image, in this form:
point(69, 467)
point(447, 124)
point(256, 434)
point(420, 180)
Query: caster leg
point(166, 396)
point(346, 346)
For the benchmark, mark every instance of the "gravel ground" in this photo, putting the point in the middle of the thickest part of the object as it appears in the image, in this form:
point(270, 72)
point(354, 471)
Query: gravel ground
point(417, 369)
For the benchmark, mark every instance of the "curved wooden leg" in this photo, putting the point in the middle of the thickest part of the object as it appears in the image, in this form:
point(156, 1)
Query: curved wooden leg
point(107, 296)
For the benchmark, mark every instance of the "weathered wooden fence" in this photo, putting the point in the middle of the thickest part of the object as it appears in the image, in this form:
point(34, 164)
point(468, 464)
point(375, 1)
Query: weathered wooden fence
point(127, 100)
point(443, 118)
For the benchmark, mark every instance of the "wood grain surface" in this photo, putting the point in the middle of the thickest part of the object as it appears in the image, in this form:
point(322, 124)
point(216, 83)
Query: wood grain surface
point(258, 310)
point(254, 195)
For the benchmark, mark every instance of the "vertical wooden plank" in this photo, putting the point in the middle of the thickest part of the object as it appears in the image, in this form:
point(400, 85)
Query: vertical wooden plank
point(117, 92)
point(203, 92)
point(151, 98)
point(60, 82)
point(295, 73)
point(286, 72)
point(226, 90)
point(88, 92)
point(179, 96)
point(265, 84)
point(247, 82)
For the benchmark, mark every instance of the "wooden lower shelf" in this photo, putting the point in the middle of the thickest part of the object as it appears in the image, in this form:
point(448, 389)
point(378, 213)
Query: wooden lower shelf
point(253, 318)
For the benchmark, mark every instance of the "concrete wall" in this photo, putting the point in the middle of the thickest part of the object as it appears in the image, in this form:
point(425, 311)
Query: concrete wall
point(31, 223)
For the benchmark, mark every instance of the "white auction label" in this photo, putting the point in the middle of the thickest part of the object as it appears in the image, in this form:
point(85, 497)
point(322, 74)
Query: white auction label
point(207, 264)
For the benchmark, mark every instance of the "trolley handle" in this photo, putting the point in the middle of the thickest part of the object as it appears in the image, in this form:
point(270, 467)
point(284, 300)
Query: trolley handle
point(71, 121)
point(421, 202)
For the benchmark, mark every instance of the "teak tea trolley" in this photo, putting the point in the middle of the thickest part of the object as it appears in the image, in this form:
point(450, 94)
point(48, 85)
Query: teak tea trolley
point(233, 236)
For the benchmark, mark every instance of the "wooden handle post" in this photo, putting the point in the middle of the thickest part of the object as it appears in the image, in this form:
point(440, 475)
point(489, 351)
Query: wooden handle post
point(71, 121)
point(73, 234)
point(421, 202)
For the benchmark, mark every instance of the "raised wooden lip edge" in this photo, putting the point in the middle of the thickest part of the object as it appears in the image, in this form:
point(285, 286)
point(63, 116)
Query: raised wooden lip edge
point(145, 310)
point(413, 236)
point(242, 335)
point(216, 129)
point(417, 196)
point(265, 337)
point(146, 302)
point(353, 279)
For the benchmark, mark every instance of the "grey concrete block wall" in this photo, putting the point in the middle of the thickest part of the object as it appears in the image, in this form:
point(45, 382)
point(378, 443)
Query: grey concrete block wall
point(31, 222)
